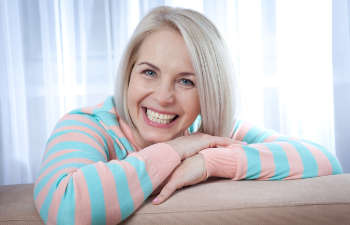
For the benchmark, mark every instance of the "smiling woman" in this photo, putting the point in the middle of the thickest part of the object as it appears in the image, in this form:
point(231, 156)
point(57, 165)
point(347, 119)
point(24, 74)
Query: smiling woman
point(170, 124)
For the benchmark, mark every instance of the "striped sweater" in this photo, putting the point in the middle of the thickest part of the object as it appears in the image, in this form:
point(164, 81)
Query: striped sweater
point(92, 172)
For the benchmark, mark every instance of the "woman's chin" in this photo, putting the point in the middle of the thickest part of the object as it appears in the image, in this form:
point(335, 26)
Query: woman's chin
point(154, 139)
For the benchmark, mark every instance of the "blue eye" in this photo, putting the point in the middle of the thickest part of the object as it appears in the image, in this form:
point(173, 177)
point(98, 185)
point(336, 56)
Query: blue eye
point(186, 82)
point(150, 73)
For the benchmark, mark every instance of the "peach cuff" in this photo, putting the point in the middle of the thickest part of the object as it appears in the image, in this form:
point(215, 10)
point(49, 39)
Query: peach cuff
point(220, 162)
point(161, 159)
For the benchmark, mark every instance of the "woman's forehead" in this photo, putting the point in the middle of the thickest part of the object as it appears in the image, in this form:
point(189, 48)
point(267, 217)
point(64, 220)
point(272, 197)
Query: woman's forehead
point(165, 47)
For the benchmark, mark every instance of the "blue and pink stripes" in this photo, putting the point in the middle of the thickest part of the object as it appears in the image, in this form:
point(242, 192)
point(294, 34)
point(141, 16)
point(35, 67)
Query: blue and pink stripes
point(269, 156)
point(92, 173)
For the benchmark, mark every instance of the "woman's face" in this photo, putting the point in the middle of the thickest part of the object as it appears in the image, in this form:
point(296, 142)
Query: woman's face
point(162, 95)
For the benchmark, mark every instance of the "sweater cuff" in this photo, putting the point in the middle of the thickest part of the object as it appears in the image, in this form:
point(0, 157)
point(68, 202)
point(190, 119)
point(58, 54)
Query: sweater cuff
point(160, 159)
point(220, 162)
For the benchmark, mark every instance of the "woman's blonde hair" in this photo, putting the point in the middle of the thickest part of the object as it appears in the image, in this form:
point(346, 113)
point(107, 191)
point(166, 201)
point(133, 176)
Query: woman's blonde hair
point(210, 59)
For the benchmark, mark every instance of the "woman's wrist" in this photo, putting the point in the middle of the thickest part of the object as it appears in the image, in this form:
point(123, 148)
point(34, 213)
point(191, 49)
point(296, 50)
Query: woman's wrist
point(205, 166)
point(175, 146)
point(205, 174)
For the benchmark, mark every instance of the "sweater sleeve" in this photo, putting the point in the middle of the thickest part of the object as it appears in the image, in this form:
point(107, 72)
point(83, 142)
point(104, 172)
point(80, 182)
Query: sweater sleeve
point(78, 184)
point(269, 156)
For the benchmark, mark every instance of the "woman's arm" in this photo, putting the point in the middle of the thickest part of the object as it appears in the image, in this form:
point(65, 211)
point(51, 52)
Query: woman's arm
point(269, 156)
point(78, 184)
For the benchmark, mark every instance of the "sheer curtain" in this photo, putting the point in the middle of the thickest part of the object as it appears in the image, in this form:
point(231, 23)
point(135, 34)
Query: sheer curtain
point(341, 71)
point(59, 55)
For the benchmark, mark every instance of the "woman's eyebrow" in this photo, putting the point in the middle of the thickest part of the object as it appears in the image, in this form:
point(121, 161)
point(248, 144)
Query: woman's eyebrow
point(186, 74)
point(156, 68)
point(149, 64)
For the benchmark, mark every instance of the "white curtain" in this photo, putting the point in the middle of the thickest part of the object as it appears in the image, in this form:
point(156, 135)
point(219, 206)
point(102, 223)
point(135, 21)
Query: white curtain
point(341, 74)
point(58, 55)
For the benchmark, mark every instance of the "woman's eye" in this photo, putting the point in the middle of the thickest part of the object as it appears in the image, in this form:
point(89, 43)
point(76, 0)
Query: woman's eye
point(149, 73)
point(186, 82)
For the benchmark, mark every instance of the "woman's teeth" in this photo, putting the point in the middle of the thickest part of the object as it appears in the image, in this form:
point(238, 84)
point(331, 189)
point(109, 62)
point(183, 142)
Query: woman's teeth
point(159, 117)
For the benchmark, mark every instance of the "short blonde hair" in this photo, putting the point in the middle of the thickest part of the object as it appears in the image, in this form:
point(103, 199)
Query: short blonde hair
point(210, 59)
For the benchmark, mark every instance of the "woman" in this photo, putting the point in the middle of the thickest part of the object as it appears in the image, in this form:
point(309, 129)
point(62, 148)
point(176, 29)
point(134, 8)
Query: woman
point(171, 124)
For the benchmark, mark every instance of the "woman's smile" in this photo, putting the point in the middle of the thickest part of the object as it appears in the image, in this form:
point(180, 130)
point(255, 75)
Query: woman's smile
point(158, 119)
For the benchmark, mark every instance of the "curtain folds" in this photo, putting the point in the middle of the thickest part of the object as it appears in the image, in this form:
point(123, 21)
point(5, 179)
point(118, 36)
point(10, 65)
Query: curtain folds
point(15, 162)
point(341, 74)
point(59, 55)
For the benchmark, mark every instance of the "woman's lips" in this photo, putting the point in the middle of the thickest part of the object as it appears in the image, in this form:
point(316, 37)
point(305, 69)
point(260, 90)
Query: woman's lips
point(157, 119)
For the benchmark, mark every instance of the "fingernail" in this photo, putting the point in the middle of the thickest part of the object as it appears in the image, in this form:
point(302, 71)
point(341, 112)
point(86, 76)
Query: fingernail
point(156, 200)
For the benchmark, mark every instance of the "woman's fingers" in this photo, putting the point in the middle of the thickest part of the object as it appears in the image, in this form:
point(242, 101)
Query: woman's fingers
point(224, 141)
point(187, 146)
point(191, 171)
point(165, 193)
point(171, 185)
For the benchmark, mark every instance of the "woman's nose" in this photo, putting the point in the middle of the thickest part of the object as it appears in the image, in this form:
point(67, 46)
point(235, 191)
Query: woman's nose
point(164, 93)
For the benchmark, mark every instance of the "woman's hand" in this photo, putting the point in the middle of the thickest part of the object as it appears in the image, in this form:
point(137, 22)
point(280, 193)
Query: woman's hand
point(191, 171)
point(188, 146)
